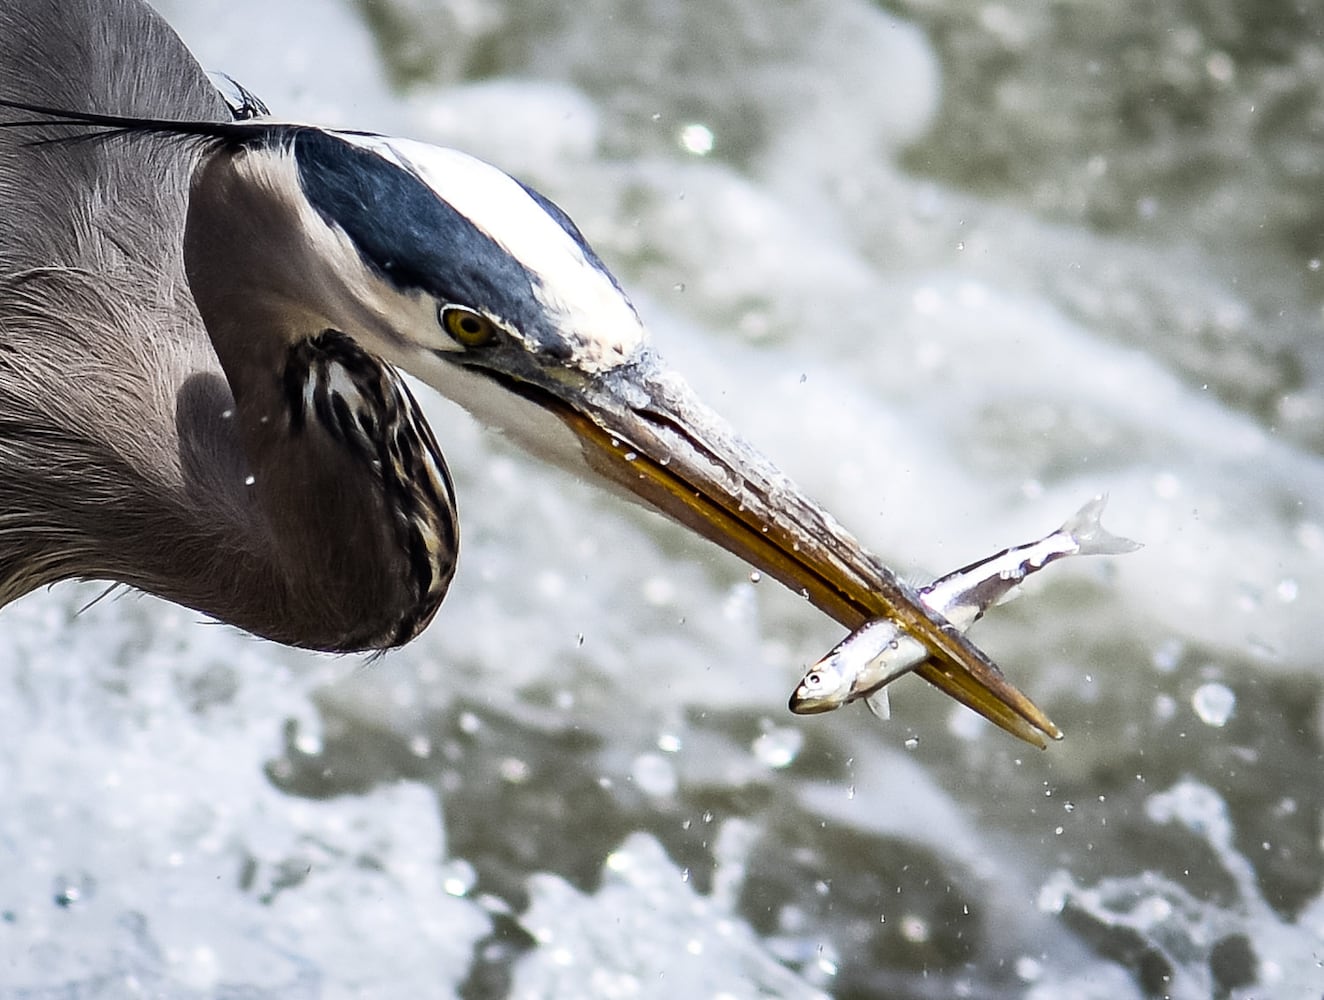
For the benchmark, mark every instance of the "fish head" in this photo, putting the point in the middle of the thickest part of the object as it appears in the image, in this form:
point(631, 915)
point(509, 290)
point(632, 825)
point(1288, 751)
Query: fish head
point(824, 687)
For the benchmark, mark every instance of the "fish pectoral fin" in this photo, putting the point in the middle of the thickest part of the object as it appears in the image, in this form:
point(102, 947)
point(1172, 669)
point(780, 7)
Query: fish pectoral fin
point(880, 704)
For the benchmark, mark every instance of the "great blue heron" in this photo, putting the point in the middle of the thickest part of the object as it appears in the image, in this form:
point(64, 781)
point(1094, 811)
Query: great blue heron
point(200, 322)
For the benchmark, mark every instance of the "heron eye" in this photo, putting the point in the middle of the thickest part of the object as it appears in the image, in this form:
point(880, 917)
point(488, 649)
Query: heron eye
point(467, 327)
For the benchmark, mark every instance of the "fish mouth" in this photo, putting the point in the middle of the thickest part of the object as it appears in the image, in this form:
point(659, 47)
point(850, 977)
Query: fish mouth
point(643, 429)
point(823, 688)
point(802, 704)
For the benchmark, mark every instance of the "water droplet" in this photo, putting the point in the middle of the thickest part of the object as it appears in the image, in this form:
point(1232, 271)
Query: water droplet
point(308, 743)
point(697, 139)
point(911, 742)
point(826, 965)
point(469, 723)
point(668, 743)
point(1214, 703)
point(513, 770)
point(458, 877)
point(1220, 67)
point(620, 861)
point(1167, 656)
point(678, 286)
point(1028, 969)
point(654, 775)
point(420, 746)
point(914, 929)
point(755, 576)
point(250, 480)
point(1053, 894)
point(69, 891)
point(1313, 263)
point(778, 747)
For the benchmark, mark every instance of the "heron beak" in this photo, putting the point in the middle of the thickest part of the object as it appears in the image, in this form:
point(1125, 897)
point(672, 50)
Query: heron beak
point(642, 428)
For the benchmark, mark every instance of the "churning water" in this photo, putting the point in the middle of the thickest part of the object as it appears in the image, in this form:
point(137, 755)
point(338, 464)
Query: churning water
point(957, 267)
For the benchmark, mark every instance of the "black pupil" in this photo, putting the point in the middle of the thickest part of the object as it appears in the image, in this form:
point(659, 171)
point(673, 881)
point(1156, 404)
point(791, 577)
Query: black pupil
point(471, 324)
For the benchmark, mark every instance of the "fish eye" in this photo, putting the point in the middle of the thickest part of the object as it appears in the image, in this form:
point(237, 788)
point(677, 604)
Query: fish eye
point(813, 679)
point(466, 327)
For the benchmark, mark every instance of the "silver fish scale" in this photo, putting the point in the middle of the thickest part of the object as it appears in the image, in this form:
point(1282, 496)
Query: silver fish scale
point(880, 651)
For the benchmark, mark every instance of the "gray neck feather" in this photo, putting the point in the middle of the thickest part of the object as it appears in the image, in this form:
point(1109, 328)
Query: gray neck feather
point(121, 450)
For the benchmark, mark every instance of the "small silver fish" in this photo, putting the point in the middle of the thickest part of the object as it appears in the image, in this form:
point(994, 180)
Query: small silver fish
point(879, 652)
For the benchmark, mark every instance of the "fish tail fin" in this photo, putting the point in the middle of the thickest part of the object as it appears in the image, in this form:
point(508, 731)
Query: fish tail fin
point(1086, 527)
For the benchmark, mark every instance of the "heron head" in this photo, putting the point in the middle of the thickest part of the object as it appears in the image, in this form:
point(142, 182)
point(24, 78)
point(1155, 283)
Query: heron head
point(484, 289)
point(494, 265)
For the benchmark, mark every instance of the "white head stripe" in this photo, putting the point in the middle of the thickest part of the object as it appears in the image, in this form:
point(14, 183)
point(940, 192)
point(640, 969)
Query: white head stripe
point(590, 310)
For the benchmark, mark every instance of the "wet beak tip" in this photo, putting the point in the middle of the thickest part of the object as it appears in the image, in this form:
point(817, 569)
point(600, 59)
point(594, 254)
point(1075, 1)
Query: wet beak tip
point(676, 457)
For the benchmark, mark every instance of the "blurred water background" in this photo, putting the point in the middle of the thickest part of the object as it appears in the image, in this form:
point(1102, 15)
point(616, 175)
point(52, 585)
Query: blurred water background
point(957, 267)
